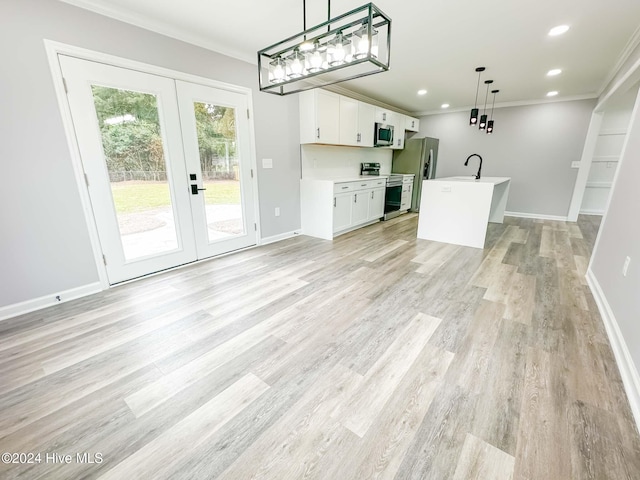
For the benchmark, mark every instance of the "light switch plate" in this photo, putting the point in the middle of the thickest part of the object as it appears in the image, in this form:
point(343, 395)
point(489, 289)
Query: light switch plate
point(575, 164)
point(267, 163)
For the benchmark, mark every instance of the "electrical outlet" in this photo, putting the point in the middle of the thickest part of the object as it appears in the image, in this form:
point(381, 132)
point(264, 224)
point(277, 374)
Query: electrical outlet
point(445, 188)
point(575, 164)
point(267, 163)
point(277, 211)
point(625, 267)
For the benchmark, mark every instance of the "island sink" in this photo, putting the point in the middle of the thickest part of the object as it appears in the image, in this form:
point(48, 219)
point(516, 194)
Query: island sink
point(479, 168)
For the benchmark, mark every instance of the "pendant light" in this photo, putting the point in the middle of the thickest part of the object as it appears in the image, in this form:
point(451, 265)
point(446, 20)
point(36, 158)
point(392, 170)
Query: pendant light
point(473, 119)
point(352, 45)
point(483, 118)
point(490, 124)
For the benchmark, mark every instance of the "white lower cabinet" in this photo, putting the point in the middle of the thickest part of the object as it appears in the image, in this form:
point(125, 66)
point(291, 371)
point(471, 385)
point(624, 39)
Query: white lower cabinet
point(376, 203)
point(407, 192)
point(342, 211)
point(360, 207)
point(330, 208)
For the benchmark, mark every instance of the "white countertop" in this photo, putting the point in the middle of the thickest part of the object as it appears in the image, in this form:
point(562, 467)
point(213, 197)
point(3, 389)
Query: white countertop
point(472, 179)
point(355, 178)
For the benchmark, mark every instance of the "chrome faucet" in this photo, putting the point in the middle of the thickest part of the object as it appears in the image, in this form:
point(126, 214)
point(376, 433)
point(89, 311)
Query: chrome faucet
point(479, 168)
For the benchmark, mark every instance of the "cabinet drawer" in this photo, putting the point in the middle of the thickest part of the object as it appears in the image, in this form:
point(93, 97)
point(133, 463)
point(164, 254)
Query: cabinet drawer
point(343, 187)
point(363, 185)
point(356, 186)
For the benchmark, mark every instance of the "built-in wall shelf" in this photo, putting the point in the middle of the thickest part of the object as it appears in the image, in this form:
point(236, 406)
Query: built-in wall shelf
point(612, 132)
point(606, 158)
point(599, 184)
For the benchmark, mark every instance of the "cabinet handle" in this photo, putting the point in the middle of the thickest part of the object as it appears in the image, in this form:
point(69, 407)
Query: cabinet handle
point(384, 117)
point(334, 202)
point(358, 140)
point(318, 133)
point(355, 198)
point(371, 193)
point(363, 184)
point(344, 188)
point(412, 124)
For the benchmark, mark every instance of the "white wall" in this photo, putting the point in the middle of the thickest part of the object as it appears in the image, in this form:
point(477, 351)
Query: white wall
point(329, 161)
point(534, 145)
point(44, 246)
point(618, 238)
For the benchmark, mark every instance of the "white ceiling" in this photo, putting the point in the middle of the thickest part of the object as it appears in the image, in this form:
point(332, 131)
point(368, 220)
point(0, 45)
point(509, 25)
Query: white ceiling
point(436, 44)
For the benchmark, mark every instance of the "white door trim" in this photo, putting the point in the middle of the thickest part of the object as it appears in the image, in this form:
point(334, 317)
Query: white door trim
point(53, 49)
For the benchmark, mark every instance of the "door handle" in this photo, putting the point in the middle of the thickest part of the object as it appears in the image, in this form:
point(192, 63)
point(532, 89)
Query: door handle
point(195, 189)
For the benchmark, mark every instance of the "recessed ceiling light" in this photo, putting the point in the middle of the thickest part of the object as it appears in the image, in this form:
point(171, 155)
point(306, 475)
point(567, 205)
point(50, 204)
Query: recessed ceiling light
point(552, 93)
point(422, 92)
point(444, 105)
point(554, 72)
point(559, 30)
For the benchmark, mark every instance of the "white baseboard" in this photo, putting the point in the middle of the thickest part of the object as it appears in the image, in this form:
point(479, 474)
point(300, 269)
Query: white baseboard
point(10, 311)
point(628, 371)
point(538, 216)
point(279, 237)
point(592, 212)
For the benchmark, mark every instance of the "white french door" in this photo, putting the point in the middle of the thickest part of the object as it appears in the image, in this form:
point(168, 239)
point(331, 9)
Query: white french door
point(215, 128)
point(167, 166)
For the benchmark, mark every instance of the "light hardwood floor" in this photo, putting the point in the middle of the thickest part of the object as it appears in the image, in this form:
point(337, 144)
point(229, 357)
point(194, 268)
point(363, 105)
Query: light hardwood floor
point(373, 356)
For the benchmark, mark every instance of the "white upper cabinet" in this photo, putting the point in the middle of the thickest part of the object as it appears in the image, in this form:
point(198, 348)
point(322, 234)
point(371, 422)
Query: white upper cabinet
point(385, 116)
point(356, 123)
point(411, 124)
point(348, 121)
point(319, 117)
point(366, 124)
point(329, 118)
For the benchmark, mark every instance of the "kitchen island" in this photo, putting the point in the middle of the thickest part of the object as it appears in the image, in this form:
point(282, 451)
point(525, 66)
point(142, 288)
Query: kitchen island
point(457, 209)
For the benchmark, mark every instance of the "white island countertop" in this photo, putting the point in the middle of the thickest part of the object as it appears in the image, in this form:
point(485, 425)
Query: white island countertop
point(472, 178)
point(457, 209)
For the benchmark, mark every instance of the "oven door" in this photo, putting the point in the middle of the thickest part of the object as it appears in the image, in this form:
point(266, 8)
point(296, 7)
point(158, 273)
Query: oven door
point(392, 198)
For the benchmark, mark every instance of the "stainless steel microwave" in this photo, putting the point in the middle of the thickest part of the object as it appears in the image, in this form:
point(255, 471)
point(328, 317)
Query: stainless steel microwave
point(383, 135)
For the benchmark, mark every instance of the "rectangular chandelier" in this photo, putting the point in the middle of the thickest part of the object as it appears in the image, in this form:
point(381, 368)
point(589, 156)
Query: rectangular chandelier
point(352, 45)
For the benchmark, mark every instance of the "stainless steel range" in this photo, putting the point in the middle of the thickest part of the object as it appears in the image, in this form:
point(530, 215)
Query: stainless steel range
point(393, 196)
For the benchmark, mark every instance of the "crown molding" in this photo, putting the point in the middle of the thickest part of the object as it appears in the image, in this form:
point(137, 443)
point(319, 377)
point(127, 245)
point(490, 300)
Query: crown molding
point(162, 28)
point(520, 103)
point(630, 47)
point(364, 98)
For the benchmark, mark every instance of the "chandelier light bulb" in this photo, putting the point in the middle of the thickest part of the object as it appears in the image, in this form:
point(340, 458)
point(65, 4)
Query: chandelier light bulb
point(316, 59)
point(296, 64)
point(277, 72)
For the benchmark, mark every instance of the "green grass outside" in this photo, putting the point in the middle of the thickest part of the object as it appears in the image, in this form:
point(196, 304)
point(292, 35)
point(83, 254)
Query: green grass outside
point(139, 196)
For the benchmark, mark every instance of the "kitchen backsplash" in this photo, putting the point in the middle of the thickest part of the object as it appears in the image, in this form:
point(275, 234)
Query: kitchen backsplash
point(328, 161)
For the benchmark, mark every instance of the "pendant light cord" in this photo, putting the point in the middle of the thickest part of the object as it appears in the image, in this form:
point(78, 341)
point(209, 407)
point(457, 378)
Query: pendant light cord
point(475, 105)
point(484, 112)
point(304, 16)
point(493, 105)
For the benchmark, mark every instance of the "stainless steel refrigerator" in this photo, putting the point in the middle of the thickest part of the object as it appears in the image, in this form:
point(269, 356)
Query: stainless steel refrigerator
point(420, 157)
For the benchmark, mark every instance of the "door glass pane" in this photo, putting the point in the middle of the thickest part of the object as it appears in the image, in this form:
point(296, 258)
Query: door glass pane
point(219, 163)
point(133, 149)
